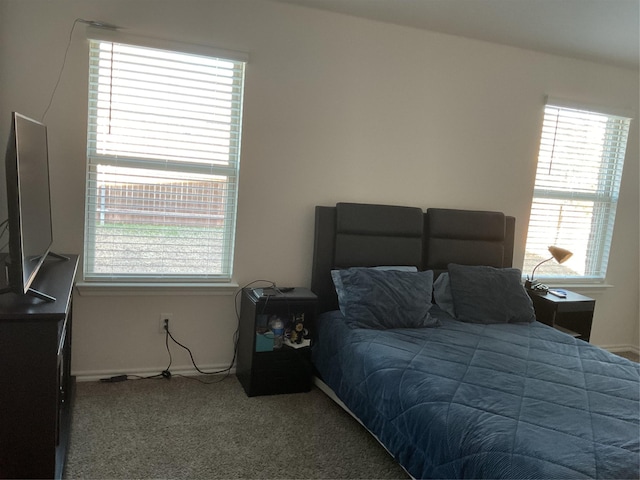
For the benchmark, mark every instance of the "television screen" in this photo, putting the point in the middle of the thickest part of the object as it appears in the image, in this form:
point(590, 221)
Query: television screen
point(28, 201)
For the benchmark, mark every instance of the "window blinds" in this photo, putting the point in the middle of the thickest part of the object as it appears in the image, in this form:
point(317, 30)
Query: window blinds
point(576, 191)
point(163, 150)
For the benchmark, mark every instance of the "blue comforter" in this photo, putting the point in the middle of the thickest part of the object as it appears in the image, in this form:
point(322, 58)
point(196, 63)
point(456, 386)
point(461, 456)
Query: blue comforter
point(487, 401)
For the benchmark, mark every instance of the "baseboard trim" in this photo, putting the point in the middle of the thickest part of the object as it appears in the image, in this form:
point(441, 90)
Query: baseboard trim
point(621, 348)
point(97, 375)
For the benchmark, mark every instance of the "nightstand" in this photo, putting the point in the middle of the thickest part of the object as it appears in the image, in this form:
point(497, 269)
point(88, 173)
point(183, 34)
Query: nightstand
point(572, 315)
point(263, 368)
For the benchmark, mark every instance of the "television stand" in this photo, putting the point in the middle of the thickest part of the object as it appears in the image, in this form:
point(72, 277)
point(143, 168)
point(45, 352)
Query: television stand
point(35, 378)
point(59, 256)
point(42, 296)
point(32, 291)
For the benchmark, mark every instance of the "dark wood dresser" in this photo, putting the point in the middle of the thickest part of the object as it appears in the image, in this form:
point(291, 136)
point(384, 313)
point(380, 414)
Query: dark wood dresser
point(36, 386)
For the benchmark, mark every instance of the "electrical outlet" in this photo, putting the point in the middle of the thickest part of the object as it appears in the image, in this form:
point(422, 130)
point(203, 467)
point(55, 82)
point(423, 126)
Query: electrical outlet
point(164, 318)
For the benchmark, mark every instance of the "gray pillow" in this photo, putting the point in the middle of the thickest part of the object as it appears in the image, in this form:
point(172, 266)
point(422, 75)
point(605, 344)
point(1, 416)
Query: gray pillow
point(379, 299)
point(483, 294)
point(442, 294)
point(399, 268)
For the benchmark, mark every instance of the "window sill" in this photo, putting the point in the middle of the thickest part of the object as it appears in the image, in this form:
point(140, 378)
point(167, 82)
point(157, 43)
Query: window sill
point(586, 287)
point(579, 287)
point(89, 289)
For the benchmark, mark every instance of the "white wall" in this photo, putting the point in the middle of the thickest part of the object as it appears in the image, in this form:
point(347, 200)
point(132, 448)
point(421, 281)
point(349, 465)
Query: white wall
point(336, 109)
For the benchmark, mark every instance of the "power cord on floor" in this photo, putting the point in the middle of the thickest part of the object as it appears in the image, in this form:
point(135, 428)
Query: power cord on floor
point(226, 371)
point(166, 373)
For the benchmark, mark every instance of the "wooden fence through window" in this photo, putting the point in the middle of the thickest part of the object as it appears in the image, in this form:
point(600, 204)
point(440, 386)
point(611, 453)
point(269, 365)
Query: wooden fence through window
point(180, 203)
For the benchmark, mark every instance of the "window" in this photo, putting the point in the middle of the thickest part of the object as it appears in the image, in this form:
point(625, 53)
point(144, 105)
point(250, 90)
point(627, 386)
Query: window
point(163, 151)
point(576, 191)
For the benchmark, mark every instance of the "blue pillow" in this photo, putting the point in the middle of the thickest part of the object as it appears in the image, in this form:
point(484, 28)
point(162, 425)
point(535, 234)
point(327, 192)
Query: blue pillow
point(382, 299)
point(399, 268)
point(442, 294)
point(483, 294)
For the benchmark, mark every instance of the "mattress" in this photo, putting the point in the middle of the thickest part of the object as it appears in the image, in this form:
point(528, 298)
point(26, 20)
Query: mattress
point(486, 401)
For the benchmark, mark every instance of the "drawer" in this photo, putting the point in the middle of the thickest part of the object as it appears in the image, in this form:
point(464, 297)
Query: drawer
point(293, 380)
point(281, 360)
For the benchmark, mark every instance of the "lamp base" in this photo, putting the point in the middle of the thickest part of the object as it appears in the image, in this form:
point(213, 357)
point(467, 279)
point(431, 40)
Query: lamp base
point(536, 286)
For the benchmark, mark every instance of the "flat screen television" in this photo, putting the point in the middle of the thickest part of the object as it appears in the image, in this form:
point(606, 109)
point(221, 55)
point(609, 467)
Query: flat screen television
point(28, 204)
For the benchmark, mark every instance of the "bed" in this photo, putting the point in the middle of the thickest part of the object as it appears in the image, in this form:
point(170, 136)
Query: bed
point(436, 351)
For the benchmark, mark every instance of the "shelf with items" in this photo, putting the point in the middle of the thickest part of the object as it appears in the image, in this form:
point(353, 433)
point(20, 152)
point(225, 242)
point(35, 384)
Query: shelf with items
point(293, 328)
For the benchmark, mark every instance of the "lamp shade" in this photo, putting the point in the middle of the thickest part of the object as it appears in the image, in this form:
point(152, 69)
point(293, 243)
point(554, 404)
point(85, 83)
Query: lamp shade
point(560, 254)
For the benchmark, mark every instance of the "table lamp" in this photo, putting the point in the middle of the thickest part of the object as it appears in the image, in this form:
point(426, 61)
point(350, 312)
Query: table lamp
point(560, 255)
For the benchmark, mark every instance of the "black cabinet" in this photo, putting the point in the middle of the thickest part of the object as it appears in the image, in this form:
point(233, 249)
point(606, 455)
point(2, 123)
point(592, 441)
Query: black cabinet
point(35, 378)
point(572, 315)
point(262, 368)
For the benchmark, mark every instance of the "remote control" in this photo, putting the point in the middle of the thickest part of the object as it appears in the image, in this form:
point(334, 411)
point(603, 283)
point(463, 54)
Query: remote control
point(558, 293)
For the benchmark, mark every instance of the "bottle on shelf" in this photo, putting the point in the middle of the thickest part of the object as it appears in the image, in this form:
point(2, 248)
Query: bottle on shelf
point(277, 327)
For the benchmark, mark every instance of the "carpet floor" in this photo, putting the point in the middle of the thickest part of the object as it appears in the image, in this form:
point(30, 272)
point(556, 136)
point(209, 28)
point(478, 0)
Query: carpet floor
point(634, 357)
point(181, 428)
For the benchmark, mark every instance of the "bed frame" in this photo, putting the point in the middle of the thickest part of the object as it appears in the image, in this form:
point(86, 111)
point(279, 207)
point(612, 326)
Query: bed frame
point(366, 235)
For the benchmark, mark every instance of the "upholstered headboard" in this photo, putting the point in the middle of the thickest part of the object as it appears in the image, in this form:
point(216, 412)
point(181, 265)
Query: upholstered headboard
point(366, 235)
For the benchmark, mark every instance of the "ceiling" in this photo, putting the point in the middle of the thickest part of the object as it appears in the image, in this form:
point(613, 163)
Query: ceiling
point(604, 31)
